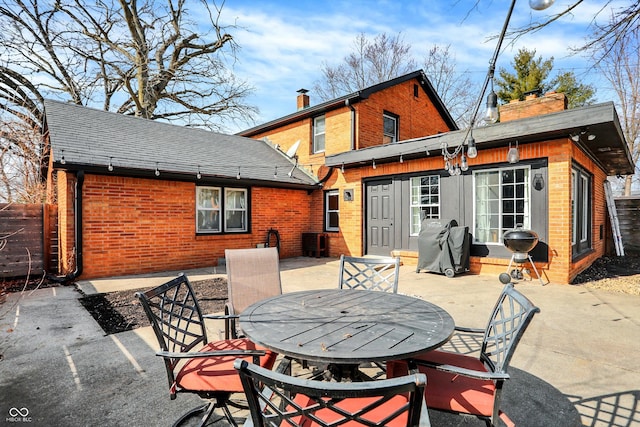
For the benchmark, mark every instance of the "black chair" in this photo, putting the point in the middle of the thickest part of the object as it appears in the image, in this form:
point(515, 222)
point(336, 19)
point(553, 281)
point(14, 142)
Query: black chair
point(376, 274)
point(193, 364)
point(473, 385)
point(277, 399)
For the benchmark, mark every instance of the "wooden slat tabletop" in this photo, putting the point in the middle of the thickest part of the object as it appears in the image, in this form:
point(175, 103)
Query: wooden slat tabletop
point(347, 326)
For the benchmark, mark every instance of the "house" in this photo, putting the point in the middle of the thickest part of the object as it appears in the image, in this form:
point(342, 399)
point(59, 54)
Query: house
point(364, 169)
point(376, 191)
point(399, 109)
point(138, 196)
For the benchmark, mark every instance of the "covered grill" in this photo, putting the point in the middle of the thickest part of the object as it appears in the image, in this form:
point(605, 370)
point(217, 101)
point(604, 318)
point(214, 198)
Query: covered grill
point(443, 248)
point(520, 242)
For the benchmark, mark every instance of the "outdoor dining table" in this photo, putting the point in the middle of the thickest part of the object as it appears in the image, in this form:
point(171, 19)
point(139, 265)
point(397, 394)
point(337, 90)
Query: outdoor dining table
point(346, 327)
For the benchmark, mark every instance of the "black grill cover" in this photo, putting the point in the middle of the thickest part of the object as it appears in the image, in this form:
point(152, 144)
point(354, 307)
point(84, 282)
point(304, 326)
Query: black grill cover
point(443, 248)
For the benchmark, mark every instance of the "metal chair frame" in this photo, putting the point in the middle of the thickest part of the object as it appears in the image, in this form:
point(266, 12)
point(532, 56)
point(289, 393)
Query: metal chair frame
point(276, 399)
point(253, 274)
point(378, 274)
point(509, 319)
point(178, 324)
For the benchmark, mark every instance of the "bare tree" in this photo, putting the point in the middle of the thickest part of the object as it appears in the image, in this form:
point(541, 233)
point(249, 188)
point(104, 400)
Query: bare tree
point(386, 57)
point(138, 57)
point(371, 62)
point(621, 67)
point(624, 19)
point(134, 57)
point(454, 87)
point(21, 164)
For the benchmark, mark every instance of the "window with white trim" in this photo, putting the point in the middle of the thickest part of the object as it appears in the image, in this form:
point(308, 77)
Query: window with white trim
point(208, 209)
point(318, 134)
point(235, 209)
point(389, 128)
point(502, 199)
point(221, 209)
point(425, 200)
point(332, 210)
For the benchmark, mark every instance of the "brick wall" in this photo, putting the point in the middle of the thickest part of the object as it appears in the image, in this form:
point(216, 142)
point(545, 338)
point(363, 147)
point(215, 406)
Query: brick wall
point(417, 117)
point(559, 269)
point(551, 102)
point(143, 225)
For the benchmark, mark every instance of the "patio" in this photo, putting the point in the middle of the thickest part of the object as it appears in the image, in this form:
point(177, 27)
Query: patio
point(576, 364)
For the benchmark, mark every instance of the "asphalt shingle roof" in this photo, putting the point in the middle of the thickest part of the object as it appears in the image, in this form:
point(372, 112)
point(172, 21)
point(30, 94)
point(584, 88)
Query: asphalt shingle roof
point(92, 139)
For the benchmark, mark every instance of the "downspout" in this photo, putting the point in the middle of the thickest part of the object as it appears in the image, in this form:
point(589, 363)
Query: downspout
point(78, 225)
point(77, 233)
point(353, 124)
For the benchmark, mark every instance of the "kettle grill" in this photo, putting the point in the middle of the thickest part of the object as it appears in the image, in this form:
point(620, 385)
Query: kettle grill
point(520, 242)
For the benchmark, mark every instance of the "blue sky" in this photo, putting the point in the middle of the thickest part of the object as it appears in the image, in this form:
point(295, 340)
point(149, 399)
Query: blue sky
point(284, 43)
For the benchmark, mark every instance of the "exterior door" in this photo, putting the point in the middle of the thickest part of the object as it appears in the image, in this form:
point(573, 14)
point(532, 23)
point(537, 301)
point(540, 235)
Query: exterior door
point(380, 216)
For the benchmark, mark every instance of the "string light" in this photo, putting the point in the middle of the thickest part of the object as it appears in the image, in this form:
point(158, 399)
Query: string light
point(401, 159)
point(374, 163)
point(342, 168)
point(128, 162)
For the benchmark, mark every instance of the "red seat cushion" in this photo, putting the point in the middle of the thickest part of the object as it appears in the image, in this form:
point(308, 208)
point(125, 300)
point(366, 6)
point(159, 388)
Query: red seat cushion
point(353, 405)
point(452, 392)
point(218, 373)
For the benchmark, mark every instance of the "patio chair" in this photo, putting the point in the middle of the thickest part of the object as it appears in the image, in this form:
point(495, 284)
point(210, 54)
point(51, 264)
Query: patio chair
point(252, 275)
point(193, 364)
point(376, 274)
point(276, 399)
point(473, 385)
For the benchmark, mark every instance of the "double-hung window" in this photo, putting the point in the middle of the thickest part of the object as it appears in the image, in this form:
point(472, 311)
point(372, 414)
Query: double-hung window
point(235, 209)
point(389, 128)
point(221, 209)
point(332, 210)
point(580, 211)
point(502, 200)
point(425, 200)
point(318, 134)
point(208, 210)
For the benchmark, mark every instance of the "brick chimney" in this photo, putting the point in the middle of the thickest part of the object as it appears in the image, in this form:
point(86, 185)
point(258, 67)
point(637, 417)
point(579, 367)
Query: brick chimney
point(303, 99)
point(533, 105)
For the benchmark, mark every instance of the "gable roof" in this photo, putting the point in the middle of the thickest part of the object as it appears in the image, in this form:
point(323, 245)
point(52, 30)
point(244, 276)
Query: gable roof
point(358, 96)
point(88, 139)
point(609, 148)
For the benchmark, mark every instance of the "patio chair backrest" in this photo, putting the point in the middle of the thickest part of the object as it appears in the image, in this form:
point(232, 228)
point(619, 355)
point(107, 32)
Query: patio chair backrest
point(174, 313)
point(252, 275)
point(510, 317)
point(276, 399)
point(376, 274)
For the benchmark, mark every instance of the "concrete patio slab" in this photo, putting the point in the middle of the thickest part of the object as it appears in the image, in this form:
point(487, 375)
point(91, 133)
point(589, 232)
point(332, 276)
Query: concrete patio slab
point(576, 365)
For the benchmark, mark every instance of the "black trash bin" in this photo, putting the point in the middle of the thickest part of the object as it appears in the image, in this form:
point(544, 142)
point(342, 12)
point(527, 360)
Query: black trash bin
point(443, 248)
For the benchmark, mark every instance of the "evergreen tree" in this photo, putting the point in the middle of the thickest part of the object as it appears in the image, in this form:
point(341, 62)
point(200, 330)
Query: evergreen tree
point(533, 73)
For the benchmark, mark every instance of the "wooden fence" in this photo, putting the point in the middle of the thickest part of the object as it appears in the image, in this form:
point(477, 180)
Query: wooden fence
point(628, 209)
point(28, 239)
